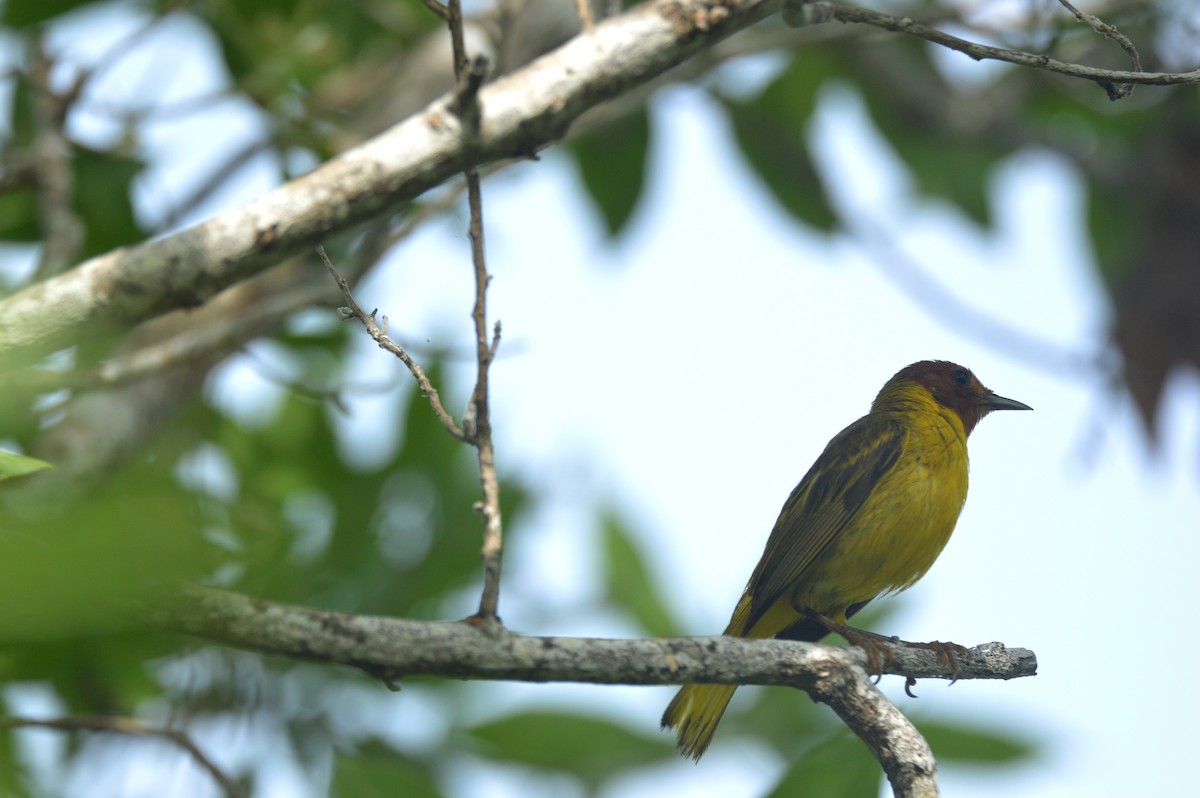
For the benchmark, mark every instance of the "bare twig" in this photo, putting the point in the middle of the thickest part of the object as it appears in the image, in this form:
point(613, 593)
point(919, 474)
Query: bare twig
point(135, 727)
point(1110, 32)
point(62, 229)
point(438, 8)
point(800, 12)
point(469, 75)
point(379, 333)
point(586, 20)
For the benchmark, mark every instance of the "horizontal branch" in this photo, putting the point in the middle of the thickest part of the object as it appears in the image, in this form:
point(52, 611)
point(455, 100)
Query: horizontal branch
point(394, 648)
point(521, 113)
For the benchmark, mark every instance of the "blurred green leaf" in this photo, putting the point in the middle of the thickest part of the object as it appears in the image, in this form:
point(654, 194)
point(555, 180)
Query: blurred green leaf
point(588, 747)
point(23, 13)
point(18, 465)
point(612, 163)
point(11, 781)
point(376, 771)
point(957, 742)
point(771, 131)
point(103, 198)
point(841, 767)
point(18, 216)
point(82, 571)
point(629, 584)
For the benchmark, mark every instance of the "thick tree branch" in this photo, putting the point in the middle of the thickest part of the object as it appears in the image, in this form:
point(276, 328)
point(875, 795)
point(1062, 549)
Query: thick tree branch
point(521, 113)
point(893, 740)
point(471, 650)
point(391, 648)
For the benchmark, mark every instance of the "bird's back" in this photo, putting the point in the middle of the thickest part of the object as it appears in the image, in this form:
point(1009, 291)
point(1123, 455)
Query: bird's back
point(870, 517)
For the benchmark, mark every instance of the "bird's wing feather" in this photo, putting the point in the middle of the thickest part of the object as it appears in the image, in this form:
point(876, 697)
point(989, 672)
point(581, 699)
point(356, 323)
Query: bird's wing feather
point(825, 502)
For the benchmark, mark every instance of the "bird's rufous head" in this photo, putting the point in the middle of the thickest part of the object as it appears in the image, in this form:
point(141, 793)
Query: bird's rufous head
point(956, 388)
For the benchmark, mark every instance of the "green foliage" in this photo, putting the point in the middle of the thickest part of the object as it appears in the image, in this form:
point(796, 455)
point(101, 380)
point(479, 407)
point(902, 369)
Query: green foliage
point(771, 132)
point(377, 771)
point(103, 199)
point(26, 13)
point(841, 767)
point(18, 465)
point(612, 163)
point(591, 749)
point(974, 745)
point(629, 584)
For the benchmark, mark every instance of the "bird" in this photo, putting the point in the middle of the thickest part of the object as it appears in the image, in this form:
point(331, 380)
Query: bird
point(869, 518)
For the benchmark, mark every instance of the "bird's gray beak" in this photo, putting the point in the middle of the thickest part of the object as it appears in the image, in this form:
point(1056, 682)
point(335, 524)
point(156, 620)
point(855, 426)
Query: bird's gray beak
point(994, 402)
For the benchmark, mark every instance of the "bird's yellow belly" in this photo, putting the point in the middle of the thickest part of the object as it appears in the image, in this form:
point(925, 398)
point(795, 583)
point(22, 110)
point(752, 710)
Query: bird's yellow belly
point(893, 542)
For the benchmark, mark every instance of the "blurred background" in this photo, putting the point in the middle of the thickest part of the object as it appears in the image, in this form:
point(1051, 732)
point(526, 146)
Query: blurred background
point(705, 282)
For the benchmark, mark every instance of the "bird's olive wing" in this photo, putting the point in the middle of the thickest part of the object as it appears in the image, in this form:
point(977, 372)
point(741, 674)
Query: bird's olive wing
point(824, 503)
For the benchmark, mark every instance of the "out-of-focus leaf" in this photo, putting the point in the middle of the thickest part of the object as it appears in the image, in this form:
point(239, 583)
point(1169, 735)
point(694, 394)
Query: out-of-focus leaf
point(842, 767)
point(82, 571)
point(612, 162)
point(952, 742)
point(11, 783)
point(771, 132)
point(18, 465)
point(629, 584)
point(590, 748)
point(376, 771)
point(23, 13)
point(18, 216)
point(905, 93)
point(785, 718)
point(957, 171)
point(103, 191)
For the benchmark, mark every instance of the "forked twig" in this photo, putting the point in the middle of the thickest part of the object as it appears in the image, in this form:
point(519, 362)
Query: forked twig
point(379, 334)
point(469, 75)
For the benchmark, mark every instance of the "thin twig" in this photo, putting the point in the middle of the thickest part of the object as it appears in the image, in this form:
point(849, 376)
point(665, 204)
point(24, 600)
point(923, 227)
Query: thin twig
point(586, 20)
point(1109, 32)
point(437, 8)
point(130, 726)
point(798, 12)
point(469, 76)
point(354, 311)
point(62, 229)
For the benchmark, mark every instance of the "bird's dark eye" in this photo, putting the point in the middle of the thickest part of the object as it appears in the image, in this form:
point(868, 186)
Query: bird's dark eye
point(961, 377)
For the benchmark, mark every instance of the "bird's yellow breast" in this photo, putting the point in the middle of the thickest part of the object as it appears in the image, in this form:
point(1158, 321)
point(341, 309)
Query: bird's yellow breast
point(905, 522)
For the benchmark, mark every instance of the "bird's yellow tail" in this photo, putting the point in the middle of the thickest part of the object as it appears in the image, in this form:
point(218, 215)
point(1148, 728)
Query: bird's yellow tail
point(695, 712)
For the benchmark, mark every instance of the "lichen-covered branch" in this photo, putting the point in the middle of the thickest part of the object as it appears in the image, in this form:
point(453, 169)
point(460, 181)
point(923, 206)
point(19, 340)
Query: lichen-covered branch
point(392, 648)
point(520, 113)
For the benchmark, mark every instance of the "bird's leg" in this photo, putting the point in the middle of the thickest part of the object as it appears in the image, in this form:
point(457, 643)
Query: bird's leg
point(878, 647)
point(947, 654)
